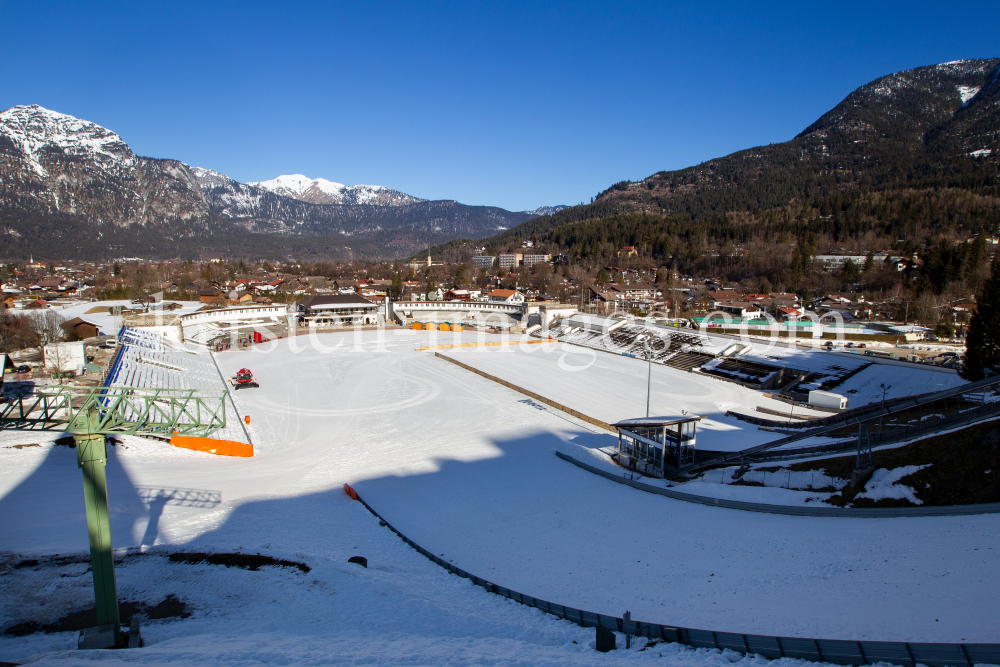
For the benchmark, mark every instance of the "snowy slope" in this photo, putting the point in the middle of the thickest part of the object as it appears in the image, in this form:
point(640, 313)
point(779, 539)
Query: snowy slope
point(466, 468)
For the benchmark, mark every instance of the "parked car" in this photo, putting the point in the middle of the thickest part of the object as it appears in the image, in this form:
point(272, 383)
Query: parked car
point(23, 368)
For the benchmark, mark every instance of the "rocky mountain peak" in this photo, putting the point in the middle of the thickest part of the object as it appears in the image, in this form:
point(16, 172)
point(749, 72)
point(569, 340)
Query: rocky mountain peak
point(55, 164)
point(34, 130)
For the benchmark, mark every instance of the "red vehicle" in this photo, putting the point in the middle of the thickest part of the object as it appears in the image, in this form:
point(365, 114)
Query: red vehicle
point(244, 379)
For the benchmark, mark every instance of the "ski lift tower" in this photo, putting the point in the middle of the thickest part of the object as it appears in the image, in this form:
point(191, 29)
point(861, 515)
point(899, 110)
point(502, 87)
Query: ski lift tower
point(92, 415)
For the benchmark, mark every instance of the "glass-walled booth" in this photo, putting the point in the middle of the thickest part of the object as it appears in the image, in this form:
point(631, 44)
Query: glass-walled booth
point(655, 446)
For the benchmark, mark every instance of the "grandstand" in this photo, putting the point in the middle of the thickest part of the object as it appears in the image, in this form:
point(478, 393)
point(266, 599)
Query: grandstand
point(752, 363)
point(146, 360)
point(630, 339)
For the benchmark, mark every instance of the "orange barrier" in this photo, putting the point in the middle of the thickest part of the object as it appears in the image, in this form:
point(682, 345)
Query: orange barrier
point(417, 326)
point(212, 446)
point(349, 491)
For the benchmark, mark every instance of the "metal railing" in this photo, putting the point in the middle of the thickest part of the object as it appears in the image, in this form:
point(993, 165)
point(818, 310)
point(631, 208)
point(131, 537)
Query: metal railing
point(125, 410)
point(878, 439)
point(836, 651)
point(791, 510)
point(867, 413)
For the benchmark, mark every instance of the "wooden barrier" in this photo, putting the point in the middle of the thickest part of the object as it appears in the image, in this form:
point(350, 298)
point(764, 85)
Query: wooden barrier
point(538, 397)
point(212, 446)
point(492, 343)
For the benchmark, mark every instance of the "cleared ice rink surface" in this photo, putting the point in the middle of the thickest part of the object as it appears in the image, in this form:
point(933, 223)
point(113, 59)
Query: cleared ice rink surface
point(467, 469)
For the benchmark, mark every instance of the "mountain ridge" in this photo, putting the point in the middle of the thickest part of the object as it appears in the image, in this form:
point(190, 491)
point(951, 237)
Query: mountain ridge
point(907, 129)
point(263, 210)
point(64, 178)
point(322, 191)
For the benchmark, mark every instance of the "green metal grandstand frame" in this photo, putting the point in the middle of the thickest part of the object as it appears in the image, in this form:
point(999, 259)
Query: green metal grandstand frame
point(93, 414)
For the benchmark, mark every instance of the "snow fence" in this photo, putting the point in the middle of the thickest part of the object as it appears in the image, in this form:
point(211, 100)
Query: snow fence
point(836, 651)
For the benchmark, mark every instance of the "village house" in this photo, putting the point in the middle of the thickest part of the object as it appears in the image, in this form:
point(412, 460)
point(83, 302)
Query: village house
point(743, 309)
point(513, 297)
point(723, 296)
point(81, 327)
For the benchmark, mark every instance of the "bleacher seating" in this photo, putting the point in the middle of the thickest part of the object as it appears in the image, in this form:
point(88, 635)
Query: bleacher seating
point(148, 361)
point(665, 343)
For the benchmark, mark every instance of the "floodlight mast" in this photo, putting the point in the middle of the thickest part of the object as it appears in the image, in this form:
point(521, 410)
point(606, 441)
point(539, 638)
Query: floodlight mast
point(649, 373)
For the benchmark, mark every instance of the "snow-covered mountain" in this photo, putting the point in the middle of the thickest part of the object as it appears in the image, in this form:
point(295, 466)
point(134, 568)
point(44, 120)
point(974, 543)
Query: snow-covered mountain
point(322, 191)
point(71, 188)
point(52, 163)
point(545, 210)
point(294, 206)
point(35, 131)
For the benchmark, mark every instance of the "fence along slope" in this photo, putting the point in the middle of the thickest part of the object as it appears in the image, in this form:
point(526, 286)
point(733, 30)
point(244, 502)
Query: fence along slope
point(836, 651)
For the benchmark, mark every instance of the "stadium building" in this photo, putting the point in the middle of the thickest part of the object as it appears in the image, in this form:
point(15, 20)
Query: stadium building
point(338, 310)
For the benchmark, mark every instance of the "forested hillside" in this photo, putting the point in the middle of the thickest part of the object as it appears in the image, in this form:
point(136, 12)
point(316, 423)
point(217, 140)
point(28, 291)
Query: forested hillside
point(905, 164)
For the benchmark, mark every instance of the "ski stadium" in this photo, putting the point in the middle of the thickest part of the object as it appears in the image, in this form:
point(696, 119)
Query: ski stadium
point(491, 455)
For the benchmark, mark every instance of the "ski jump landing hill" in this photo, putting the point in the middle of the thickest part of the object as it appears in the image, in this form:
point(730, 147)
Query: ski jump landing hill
point(467, 469)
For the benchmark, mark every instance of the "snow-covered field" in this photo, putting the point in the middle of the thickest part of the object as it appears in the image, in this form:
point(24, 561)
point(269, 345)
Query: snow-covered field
point(865, 387)
point(466, 468)
point(611, 388)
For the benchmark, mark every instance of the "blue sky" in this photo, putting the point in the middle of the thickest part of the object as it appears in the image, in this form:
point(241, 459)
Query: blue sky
point(517, 105)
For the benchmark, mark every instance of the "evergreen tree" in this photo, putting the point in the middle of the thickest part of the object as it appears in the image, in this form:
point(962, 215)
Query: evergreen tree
point(396, 290)
point(982, 344)
point(602, 277)
point(945, 328)
point(849, 273)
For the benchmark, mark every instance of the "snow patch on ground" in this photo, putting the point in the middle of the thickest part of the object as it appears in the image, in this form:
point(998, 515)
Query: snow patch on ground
point(885, 484)
point(780, 479)
point(753, 494)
